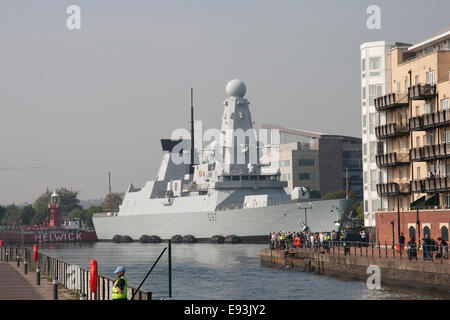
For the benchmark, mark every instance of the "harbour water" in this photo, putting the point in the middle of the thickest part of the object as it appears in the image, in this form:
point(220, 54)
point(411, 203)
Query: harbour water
point(219, 271)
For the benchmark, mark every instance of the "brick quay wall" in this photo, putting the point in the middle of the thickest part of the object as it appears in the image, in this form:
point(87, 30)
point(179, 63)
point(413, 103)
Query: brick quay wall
point(419, 274)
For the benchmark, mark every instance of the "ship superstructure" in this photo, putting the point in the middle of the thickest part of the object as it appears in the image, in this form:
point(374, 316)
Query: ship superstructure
point(223, 189)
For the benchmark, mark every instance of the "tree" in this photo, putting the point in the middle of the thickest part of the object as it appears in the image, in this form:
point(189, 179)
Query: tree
point(69, 201)
point(338, 194)
point(40, 208)
point(2, 213)
point(27, 214)
point(314, 194)
point(117, 199)
point(12, 214)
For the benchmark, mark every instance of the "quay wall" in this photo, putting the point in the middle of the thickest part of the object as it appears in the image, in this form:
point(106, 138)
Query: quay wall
point(420, 274)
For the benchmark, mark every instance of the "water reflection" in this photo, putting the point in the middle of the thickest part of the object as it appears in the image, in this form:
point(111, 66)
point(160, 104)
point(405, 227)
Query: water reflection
point(220, 271)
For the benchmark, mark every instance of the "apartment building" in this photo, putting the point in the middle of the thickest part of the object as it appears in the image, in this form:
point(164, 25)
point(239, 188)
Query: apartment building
point(317, 161)
point(375, 82)
point(414, 129)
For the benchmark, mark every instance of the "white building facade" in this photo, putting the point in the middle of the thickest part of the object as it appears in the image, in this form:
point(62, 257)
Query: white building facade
point(375, 65)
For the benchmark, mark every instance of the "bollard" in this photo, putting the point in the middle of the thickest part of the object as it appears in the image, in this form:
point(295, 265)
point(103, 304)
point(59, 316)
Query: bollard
point(55, 289)
point(25, 267)
point(83, 296)
point(38, 276)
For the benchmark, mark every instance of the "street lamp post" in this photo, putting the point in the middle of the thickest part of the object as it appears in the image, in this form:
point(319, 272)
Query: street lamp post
point(393, 239)
point(306, 215)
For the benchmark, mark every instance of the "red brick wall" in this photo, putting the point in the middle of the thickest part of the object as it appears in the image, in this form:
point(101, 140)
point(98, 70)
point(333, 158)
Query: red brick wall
point(432, 217)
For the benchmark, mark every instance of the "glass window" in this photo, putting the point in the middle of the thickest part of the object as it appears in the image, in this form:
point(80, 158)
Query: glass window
point(426, 231)
point(285, 163)
point(430, 77)
point(363, 65)
point(306, 176)
point(375, 63)
point(445, 104)
point(306, 162)
point(444, 233)
point(364, 93)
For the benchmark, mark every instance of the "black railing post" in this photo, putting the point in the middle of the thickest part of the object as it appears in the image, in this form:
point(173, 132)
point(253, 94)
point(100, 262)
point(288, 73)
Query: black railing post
point(55, 289)
point(38, 276)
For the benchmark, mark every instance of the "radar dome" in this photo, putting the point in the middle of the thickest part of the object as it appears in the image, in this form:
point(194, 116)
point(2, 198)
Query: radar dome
point(236, 88)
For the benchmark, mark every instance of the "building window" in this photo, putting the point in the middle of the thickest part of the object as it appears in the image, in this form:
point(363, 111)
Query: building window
point(375, 63)
point(398, 87)
point(445, 104)
point(416, 80)
point(363, 65)
point(412, 233)
point(306, 176)
point(364, 93)
point(306, 162)
point(285, 163)
point(285, 177)
point(430, 77)
point(444, 233)
point(426, 231)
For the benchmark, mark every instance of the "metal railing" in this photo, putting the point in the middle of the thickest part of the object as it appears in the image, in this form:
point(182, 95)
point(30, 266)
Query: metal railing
point(69, 275)
point(386, 250)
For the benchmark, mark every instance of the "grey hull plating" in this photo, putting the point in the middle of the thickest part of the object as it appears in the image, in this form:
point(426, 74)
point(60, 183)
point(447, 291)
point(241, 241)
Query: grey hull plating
point(240, 222)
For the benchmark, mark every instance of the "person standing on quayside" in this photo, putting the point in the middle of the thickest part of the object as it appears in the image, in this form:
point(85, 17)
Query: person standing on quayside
point(120, 286)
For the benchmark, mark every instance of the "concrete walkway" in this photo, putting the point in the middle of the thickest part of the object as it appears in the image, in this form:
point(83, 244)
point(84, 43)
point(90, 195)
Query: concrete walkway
point(15, 285)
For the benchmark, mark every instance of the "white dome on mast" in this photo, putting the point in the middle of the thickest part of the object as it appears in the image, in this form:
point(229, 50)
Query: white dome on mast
point(236, 88)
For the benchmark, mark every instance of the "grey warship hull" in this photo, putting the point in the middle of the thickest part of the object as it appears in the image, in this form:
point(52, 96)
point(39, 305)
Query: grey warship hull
point(227, 190)
point(252, 223)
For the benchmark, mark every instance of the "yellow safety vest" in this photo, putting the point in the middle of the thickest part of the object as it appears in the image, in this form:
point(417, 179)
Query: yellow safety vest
point(116, 294)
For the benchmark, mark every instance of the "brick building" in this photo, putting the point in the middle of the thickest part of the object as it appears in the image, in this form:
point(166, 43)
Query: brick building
point(414, 133)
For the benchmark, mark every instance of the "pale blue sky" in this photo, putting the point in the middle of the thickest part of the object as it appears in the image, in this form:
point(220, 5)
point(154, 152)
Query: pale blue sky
point(82, 103)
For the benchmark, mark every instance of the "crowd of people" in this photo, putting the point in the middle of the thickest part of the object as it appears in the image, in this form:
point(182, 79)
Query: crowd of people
point(283, 240)
point(431, 249)
point(289, 240)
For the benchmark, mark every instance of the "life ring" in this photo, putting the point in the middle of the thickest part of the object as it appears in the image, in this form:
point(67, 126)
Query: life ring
point(199, 173)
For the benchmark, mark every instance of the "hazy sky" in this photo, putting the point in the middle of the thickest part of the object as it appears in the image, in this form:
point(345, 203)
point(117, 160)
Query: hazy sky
point(80, 103)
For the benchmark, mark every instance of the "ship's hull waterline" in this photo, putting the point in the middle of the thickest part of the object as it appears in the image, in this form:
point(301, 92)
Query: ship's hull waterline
point(249, 223)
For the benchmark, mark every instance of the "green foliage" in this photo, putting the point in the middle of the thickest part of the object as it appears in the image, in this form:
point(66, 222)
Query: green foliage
point(12, 214)
point(2, 213)
point(27, 214)
point(69, 201)
point(338, 194)
point(117, 199)
point(315, 194)
point(40, 208)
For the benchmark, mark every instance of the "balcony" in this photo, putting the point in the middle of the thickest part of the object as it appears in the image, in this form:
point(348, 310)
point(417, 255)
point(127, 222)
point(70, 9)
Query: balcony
point(391, 101)
point(391, 130)
point(436, 151)
point(422, 92)
point(393, 189)
point(392, 159)
point(431, 185)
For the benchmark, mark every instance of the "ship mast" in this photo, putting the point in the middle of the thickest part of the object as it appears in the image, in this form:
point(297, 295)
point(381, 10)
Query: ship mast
point(191, 168)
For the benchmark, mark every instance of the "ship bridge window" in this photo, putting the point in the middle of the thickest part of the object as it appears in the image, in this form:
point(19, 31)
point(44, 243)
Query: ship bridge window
point(244, 178)
point(227, 178)
point(262, 177)
point(236, 178)
point(253, 177)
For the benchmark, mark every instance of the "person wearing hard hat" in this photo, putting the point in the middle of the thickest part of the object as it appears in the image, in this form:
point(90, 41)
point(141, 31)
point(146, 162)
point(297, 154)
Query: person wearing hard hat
point(119, 290)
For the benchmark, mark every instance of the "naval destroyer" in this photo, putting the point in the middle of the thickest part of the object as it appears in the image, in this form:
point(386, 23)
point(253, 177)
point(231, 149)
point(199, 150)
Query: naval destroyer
point(225, 189)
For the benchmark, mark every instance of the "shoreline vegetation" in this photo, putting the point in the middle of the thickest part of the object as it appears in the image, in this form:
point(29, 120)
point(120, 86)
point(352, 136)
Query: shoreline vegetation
point(36, 213)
